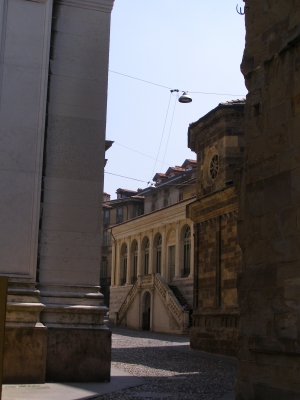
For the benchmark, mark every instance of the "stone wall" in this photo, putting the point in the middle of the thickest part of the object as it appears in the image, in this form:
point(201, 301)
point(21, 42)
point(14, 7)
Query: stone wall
point(269, 204)
point(216, 313)
point(216, 136)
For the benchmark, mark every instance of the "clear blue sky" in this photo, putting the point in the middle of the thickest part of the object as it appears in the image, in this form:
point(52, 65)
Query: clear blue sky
point(193, 45)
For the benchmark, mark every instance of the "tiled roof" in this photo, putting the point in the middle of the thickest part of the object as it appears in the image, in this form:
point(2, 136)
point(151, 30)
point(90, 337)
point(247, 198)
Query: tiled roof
point(125, 190)
point(231, 102)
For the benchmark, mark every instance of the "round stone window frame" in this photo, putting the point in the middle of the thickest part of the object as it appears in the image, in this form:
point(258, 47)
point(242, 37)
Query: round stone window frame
point(209, 157)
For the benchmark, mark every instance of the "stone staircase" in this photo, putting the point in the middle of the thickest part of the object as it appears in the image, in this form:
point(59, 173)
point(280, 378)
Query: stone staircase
point(182, 300)
point(156, 282)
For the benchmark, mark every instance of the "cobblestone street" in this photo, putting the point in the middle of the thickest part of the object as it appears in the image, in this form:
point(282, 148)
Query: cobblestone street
point(168, 367)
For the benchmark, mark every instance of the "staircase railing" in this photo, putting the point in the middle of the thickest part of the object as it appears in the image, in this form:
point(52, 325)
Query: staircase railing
point(168, 297)
point(173, 305)
point(127, 302)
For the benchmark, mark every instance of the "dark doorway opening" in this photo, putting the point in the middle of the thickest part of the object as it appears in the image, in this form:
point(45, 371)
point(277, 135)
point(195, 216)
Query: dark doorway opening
point(146, 312)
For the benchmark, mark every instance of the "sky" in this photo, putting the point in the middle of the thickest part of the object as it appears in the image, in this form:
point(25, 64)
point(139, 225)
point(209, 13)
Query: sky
point(189, 45)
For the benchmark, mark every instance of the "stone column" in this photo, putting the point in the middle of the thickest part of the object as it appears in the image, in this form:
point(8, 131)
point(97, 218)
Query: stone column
point(177, 251)
point(71, 222)
point(128, 275)
point(139, 266)
point(151, 266)
point(163, 252)
point(24, 51)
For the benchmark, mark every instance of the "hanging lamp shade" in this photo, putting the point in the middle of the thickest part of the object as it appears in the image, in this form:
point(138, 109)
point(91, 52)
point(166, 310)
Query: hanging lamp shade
point(185, 98)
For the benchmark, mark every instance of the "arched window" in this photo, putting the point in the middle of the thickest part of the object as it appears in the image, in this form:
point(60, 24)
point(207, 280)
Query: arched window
point(146, 258)
point(158, 254)
point(135, 263)
point(124, 267)
point(187, 252)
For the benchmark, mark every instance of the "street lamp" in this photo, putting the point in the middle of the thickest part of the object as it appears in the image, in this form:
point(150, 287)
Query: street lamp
point(185, 98)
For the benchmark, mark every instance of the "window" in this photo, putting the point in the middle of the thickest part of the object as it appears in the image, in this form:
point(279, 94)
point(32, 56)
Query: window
point(153, 206)
point(146, 258)
point(135, 263)
point(180, 196)
point(186, 252)
point(124, 268)
point(166, 202)
point(103, 269)
point(119, 215)
point(106, 217)
point(214, 167)
point(158, 254)
point(106, 238)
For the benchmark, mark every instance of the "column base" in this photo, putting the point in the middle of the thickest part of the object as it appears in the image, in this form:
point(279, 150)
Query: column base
point(25, 349)
point(78, 354)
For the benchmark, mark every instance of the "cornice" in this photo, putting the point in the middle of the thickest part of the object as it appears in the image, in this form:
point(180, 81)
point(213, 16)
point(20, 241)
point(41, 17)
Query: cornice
point(213, 206)
point(97, 5)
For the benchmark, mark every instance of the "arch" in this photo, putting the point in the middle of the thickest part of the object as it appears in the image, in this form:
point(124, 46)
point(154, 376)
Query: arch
point(146, 310)
point(123, 265)
point(171, 236)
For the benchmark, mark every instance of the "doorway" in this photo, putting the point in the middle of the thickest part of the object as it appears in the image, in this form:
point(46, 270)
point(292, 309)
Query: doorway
point(146, 312)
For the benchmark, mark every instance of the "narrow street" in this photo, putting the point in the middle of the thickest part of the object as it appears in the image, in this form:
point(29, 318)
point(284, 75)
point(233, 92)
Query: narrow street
point(168, 368)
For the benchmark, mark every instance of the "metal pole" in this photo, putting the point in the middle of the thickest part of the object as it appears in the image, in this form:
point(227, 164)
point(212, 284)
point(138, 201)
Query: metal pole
point(3, 295)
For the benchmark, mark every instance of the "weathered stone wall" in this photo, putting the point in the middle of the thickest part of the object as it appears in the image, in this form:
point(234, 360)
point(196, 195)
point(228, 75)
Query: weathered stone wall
point(269, 204)
point(216, 314)
point(217, 253)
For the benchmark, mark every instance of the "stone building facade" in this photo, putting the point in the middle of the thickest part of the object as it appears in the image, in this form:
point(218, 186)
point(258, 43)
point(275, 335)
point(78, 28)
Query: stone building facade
point(218, 140)
point(128, 205)
point(152, 263)
point(269, 204)
point(53, 95)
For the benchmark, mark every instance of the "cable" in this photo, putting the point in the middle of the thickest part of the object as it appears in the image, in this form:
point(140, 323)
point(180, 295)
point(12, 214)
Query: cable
point(220, 94)
point(162, 135)
point(166, 87)
point(127, 177)
point(138, 79)
point(156, 187)
point(153, 158)
point(170, 129)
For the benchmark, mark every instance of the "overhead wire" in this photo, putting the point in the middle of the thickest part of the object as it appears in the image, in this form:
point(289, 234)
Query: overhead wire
point(156, 187)
point(170, 129)
point(162, 135)
point(136, 151)
point(166, 87)
point(127, 177)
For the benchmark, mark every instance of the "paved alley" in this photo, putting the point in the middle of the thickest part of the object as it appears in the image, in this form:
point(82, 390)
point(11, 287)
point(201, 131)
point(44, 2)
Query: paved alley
point(168, 368)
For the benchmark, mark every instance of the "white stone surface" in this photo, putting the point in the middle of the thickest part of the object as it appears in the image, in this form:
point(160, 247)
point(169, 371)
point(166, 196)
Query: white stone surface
point(25, 40)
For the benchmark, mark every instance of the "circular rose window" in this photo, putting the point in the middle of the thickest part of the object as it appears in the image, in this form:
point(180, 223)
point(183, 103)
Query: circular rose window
point(214, 167)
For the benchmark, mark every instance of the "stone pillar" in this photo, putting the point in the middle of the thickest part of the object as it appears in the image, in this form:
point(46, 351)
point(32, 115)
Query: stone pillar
point(139, 266)
point(269, 204)
point(71, 221)
point(128, 274)
point(163, 252)
point(3, 295)
point(177, 251)
point(24, 46)
point(151, 266)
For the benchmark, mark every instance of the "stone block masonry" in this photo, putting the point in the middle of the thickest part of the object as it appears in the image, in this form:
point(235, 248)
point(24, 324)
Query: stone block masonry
point(269, 203)
point(53, 94)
